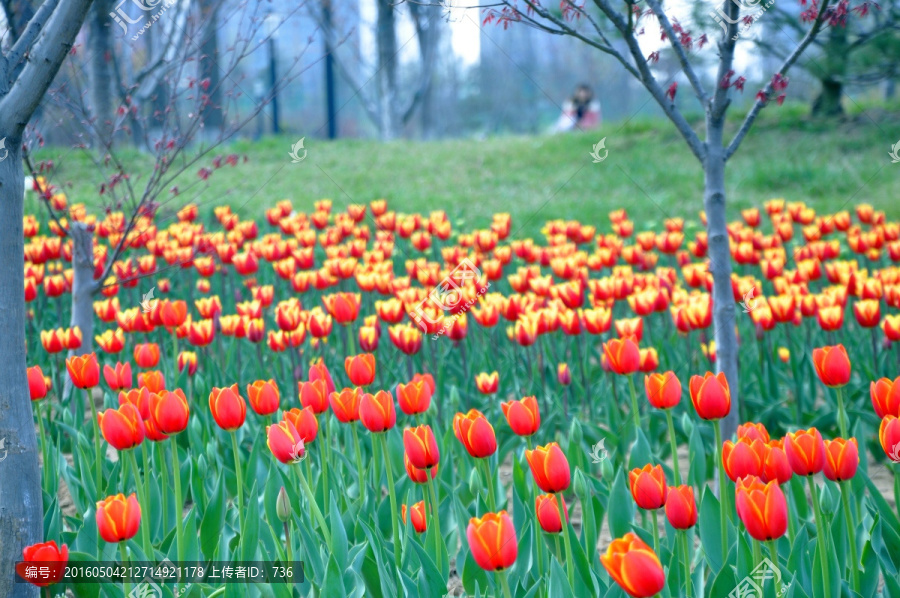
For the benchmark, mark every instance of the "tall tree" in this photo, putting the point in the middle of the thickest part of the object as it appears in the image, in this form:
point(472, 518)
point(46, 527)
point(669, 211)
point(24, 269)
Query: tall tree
point(597, 27)
point(41, 47)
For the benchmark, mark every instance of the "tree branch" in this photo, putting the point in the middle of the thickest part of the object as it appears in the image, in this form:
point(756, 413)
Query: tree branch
point(680, 52)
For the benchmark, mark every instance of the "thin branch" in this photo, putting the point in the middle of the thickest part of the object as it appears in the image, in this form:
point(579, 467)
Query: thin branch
point(680, 52)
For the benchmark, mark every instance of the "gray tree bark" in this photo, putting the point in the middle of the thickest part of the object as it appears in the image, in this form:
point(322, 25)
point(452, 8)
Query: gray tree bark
point(211, 114)
point(100, 40)
point(83, 288)
point(832, 72)
point(386, 32)
point(41, 47)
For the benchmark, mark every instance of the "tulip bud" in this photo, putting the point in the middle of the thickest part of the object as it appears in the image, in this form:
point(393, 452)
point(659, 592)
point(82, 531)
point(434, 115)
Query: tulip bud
point(606, 469)
point(283, 506)
point(474, 482)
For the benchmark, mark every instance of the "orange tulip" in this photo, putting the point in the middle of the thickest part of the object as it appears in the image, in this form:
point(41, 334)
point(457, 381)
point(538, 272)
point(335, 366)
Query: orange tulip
point(743, 458)
point(421, 447)
point(523, 416)
point(762, 508)
point(885, 394)
point(711, 395)
point(805, 451)
point(376, 412)
point(172, 314)
point(314, 395)
point(648, 487)
point(549, 467)
point(118, 378)
point(84, 370)
point(475, 433)
point(492, 541)
point(417, 515)
point(304, 420)
point(547, 510)
point(776, 467)
point(681, 508)
point(832, 365)
point(414, 397)
point(345, 404)
point(146, 355)
point(48, 558)
point(663, 390)
point(343, 307)
point(634, 566)
point(169, 411)
point(118, 518)
point(122, 428)
point(319, 371)
point(360, 369)
point(841, 459)
point(228, 407)
point(111, 341)
point(154, 381)
point(263, 396)
point(753, 431)
point(623, 355)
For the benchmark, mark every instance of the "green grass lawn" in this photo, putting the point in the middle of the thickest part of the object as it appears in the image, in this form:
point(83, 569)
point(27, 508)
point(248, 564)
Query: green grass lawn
point(649, 171)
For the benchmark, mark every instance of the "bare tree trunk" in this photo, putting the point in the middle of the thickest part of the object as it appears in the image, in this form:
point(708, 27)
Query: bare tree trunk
point(720, 265)
point(211, 114)
point(18, 13)
point(83, 288)
point(101, 49)
point(832, 72)
point(387, 71)
point(21, 500)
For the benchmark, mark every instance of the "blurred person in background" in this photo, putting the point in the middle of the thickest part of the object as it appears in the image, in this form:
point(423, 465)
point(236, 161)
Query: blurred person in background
point(580, 112)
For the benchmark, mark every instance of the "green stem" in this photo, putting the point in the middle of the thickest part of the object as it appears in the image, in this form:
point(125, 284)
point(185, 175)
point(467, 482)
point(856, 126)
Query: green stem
point(145, 506)
point(558, 551)
point(317, 513)
point(842, 415)
point(538, 537)
point(722, 491)
point(504, 583)
point(179, 502)
point(435, 520)
point(359, 465)
point(851, 536)
point(655, 523)
point(634, 405)
point(394, 512)
point(820, 531)
point(674, 445)
point(287, 542)
point(44, 460)
point(126, 584)
point(489, 484)
point(239, 473)
point(98, 462)
point(773, 554)
point(570, 563)
point(161, 457)
point(686, 561)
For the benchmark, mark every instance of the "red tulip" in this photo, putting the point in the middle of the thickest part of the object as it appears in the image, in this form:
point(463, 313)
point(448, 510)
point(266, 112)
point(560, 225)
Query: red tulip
point(663, 390)
point(805, 451)
point(319, 371)
point(487, 383)
point(634, 566)
point(37, 386)
point(50, 561)
point(169, 411)
point(743, 458)
point(376, 412)
point(285, 442)
point(475, 433)
point(304, 421)
point(146, 355)
point(345, 404)
point(418, 476)
point(776, 466)
point(681, 508)
point(549, 467)
point(547, 510)
point(889, 434)
point(832, 365)
point(841, 459)
point(414, 397)
point(228, 407)
point(421, 447)
point(122, 428)
point(118, 378)
point(492, 541)
point(762, 508)
point(648, 487)
point(710, 395)
point(885, 395)
point(417, 514)
point(118, 518)
point(84, 370)
point(622, 355)
point(154, 381)
point(360, 369)
point(314, 394)
point(523, 416)
point(140, 398)
point(263, 396)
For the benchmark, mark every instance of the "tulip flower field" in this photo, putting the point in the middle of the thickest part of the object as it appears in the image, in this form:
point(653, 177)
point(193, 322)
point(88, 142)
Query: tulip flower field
point(411, 408)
